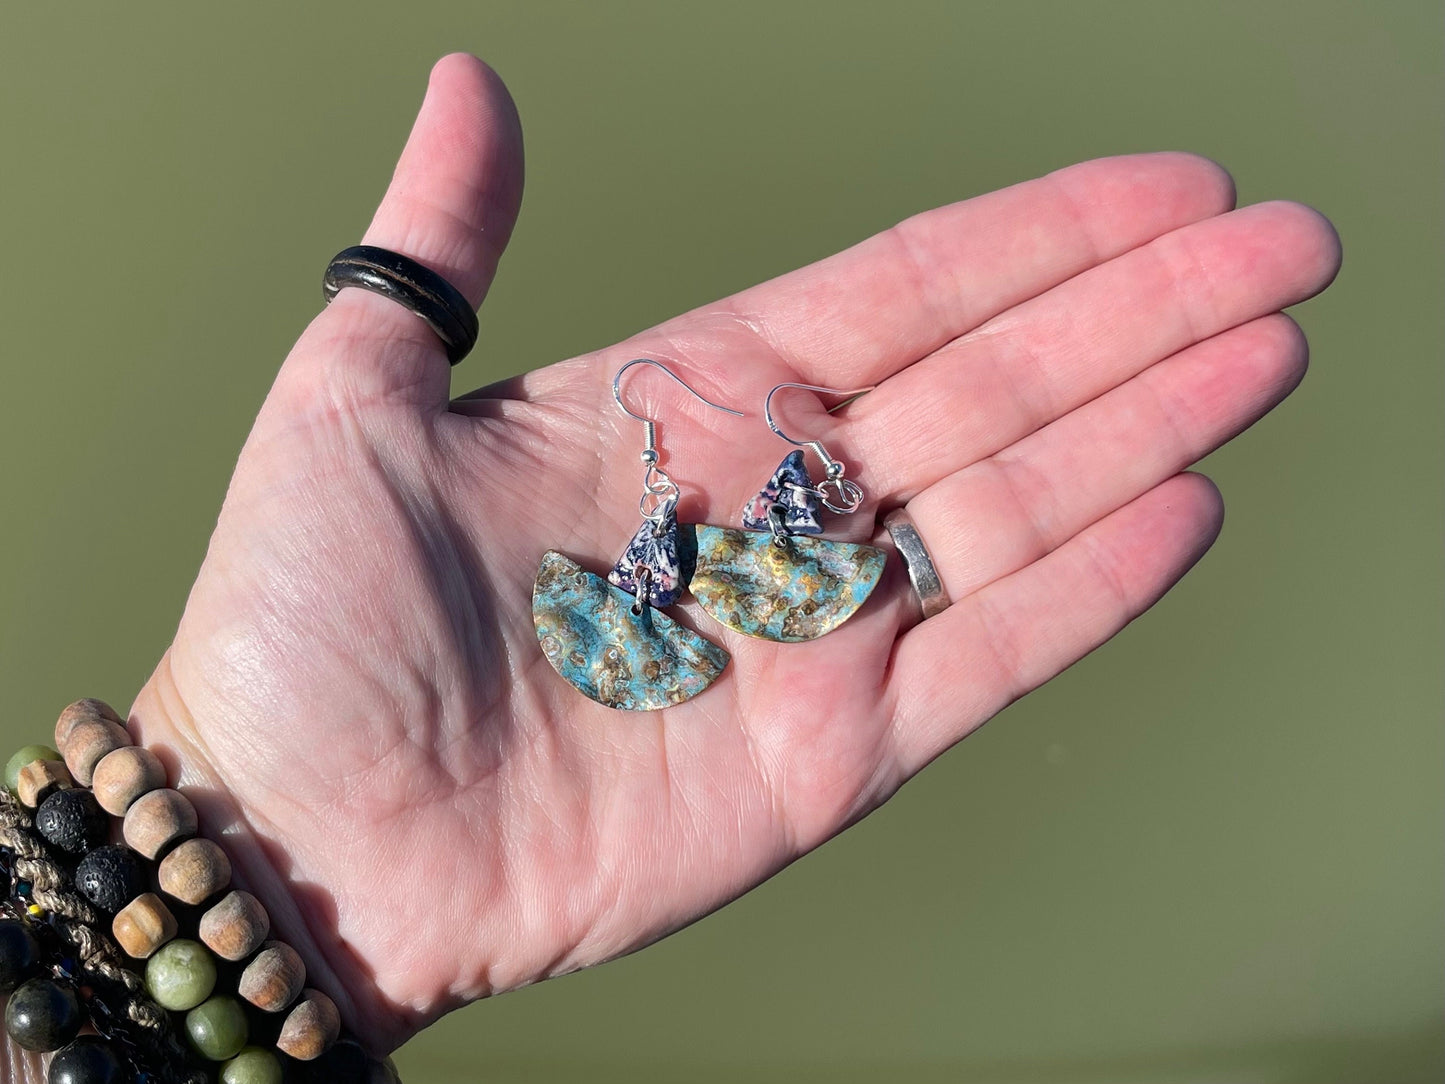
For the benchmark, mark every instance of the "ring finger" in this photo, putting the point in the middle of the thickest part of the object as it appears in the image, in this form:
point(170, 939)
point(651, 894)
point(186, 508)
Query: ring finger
point(1010, 509)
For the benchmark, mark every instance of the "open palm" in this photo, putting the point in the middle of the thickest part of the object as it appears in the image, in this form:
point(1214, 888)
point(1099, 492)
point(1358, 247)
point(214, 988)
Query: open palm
point(356, 694)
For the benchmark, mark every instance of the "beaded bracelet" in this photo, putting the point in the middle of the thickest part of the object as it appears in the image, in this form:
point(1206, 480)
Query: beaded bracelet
point(59, 967)
point(66, 877)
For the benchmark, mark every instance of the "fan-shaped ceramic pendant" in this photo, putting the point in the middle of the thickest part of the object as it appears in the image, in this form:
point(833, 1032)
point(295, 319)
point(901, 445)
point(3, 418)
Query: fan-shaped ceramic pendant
point(799, 590)
point(771, 580)
point(626, 656)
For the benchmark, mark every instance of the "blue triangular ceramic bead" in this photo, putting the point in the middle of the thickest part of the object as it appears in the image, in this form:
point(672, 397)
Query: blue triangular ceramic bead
point(792, 487)
point(654, 547)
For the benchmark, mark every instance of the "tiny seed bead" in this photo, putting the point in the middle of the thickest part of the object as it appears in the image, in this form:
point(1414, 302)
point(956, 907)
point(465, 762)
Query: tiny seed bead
point(311, 1026)
point(88, 741)
point(180, 975)
point(273, 979)
point(87, 710)
point(144, 925)
point(156, 820)
point(252, 1066)
point(235, 927)
point(39, 779)
point(195, 871)
point(123, 775)
point(217, 1028)
point(21, 757)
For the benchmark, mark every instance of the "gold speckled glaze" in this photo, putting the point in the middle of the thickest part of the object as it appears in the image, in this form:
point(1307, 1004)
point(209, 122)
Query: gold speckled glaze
point(633, 662)
point(790, 593)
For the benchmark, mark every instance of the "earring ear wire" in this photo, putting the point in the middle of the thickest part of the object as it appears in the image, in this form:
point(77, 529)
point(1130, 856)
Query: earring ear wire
point(776, 579)
point(660, 492)
point(608, 637)
point(648, 422)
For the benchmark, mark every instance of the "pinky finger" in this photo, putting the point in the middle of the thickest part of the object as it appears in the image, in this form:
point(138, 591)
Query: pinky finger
point(954, 671)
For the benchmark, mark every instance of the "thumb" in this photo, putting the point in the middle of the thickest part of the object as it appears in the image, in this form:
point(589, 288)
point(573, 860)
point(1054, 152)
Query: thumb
point(451, 205)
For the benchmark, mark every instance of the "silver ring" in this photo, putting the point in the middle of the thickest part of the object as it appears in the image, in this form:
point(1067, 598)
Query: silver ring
point(921, 571)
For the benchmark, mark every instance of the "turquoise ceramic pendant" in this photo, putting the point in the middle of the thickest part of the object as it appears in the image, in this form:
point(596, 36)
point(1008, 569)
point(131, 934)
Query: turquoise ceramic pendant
point(594, 637)
point(795, 589)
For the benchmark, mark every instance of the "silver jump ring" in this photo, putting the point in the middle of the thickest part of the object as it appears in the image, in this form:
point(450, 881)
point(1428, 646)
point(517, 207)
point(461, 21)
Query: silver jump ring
point(841, 495)
point(657, 480)
point(655, 507)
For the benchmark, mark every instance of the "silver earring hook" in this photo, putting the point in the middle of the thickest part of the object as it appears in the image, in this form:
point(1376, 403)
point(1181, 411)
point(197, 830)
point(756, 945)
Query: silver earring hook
point(648, 422)
point(837, 493)
point(660, 491)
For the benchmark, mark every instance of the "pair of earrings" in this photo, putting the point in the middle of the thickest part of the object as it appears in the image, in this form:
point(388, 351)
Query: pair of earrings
point(772, 579)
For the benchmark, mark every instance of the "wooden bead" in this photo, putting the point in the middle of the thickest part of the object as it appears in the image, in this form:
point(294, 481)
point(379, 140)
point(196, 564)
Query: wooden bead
point(38, 778)
point(235, 927)
point(156, 820)
point(273, 979)
point(88, 741)
point(87, 710)
point(195, 871)
point(123, 775)
point(144, 925)
point(22, 757)
point(310, 1027)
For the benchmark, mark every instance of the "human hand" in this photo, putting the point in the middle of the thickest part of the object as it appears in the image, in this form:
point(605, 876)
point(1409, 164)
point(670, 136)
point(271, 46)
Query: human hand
point(355, 693)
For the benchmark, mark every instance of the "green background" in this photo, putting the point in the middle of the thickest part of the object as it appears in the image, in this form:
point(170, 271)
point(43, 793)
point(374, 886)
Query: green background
point(1209, 852)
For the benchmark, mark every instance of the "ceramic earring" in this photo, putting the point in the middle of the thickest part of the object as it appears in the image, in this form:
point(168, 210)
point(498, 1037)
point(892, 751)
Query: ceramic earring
point(608, 637)
point(774, 579)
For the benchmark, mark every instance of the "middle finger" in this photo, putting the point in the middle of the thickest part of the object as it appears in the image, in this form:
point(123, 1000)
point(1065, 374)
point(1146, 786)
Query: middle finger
point(1046, 357)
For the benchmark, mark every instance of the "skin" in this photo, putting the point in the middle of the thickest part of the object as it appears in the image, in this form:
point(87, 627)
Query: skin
point(355, 695)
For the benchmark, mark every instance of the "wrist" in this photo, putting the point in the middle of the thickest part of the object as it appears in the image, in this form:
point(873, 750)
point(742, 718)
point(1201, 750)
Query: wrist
point(379, 856)
point(301, 915)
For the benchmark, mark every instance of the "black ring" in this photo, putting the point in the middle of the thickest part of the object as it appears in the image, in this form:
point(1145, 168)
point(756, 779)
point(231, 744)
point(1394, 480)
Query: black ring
point(408, 283)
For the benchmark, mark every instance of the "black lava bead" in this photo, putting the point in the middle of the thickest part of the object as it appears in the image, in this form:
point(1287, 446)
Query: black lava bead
point(43, 1015)
point(110, 877)
point(88, 1060)
point(73, 821)
point(19, 954)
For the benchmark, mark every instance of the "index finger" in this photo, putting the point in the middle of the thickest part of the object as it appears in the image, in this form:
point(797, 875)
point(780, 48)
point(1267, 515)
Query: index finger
point(873, 309)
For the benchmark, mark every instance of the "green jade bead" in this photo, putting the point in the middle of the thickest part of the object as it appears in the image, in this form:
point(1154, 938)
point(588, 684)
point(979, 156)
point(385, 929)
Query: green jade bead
point(217, 1028)
point(181, 975)
point(252, 1066)
point(28, 755)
